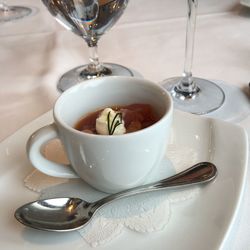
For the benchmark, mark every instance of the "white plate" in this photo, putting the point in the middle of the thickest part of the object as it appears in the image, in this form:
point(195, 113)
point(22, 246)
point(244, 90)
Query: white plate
point(203, 223)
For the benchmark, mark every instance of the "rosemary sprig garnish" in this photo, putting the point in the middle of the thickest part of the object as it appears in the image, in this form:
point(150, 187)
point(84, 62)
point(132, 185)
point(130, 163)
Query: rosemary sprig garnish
point(114, 123)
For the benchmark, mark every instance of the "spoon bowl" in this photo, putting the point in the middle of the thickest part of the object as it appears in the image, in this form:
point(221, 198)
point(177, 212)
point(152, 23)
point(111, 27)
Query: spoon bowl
point(68, 214)
point(58, 214)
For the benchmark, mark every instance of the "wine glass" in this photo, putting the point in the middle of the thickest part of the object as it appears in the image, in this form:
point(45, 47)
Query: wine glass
point(89, 19)
point(10, 13)
point(192, 94)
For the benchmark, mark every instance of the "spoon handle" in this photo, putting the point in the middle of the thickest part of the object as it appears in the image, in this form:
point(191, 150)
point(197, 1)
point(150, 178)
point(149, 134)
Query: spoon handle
point(202, 172)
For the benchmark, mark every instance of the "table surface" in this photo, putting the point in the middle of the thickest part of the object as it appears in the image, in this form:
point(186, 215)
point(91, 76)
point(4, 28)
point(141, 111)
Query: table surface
point(36, 51)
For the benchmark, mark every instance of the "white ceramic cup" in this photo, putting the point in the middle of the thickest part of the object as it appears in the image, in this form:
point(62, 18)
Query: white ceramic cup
point(109, 163)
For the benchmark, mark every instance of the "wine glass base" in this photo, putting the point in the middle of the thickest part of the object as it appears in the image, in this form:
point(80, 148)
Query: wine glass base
point(209, 97)
point(13, 13)
point(79, 74)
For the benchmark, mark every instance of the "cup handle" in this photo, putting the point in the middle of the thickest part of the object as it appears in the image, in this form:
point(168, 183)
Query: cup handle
point(34, 144)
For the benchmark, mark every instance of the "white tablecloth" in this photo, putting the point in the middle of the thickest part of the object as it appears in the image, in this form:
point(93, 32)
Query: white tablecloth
point(150, 38)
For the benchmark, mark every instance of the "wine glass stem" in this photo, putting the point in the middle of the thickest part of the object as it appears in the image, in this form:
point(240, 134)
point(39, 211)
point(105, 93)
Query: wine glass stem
point(95, 65)
point(187, 84)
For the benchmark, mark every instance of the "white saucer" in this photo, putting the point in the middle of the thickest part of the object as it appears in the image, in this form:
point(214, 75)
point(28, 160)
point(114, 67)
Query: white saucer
point(203, 223)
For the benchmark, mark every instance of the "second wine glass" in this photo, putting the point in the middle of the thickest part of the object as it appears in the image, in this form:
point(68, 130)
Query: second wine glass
point(89, 19)
point(192, 94)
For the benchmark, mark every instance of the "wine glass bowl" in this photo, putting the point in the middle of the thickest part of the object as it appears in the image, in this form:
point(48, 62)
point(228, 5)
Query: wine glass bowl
point(89, 19)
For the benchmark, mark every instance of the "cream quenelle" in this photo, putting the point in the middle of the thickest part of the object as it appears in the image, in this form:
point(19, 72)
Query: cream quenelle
point(110, 122)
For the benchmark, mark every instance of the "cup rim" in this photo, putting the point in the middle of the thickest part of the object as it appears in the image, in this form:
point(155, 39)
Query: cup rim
point(96, 80)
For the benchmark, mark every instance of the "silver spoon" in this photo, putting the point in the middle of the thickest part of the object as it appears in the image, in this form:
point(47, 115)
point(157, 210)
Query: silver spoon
point(68, 214)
